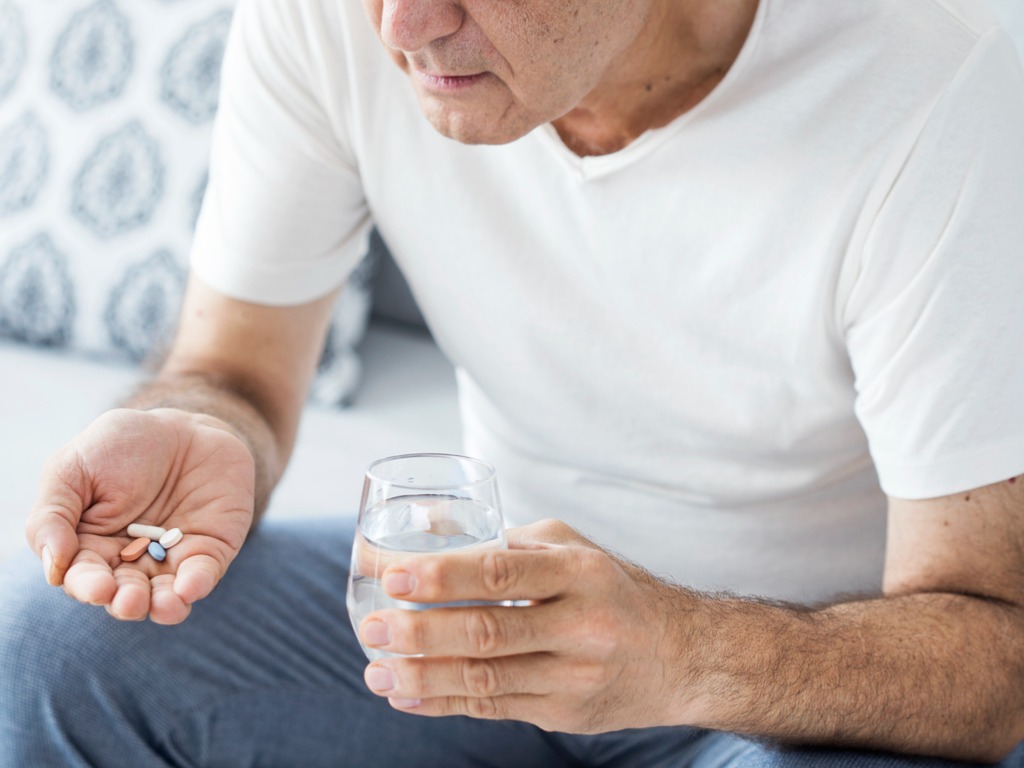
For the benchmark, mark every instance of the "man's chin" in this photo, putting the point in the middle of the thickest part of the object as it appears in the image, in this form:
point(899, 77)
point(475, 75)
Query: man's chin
point(470, 127)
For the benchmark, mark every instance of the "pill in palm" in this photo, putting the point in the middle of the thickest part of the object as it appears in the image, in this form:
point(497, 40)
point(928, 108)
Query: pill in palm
point(135, 550)
point(139, 531)
point(156, 551)
point(170, 538)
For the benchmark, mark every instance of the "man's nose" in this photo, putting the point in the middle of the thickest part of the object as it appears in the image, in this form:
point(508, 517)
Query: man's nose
point(410, 25)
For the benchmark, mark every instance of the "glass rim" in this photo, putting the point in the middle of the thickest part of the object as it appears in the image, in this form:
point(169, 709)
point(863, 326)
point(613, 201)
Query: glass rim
point(491, 471)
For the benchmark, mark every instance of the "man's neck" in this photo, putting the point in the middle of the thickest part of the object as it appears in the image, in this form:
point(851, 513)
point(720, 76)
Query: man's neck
point(685, 50)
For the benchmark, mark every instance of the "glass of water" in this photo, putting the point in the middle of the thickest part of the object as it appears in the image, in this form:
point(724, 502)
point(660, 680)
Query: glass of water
point(418, 504)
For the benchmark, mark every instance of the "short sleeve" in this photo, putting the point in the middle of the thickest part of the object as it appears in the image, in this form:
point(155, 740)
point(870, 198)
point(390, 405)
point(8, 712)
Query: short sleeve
point(935, 324)
point(284, 219)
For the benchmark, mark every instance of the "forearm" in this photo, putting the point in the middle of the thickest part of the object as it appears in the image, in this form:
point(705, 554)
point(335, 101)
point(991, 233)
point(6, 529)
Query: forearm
point(932, 674)
point(213, 396)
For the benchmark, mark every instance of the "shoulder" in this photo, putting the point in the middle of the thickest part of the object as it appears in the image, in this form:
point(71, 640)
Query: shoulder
point(897, 58)
point(323, 30)
point(936, 33)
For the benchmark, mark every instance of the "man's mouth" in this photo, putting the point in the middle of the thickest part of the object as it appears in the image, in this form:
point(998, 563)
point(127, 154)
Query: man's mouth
point(447, 82)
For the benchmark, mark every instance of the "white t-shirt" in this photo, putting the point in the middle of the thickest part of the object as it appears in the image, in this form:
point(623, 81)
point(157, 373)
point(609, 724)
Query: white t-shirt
point(713, 350)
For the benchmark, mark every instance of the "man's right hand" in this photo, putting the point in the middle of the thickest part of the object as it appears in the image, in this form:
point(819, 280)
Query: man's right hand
point(163, 467)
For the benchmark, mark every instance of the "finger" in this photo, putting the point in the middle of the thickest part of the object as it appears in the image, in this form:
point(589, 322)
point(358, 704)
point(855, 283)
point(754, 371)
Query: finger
point(55, 541)
point(197, 576)
point(131, 601)
point(51, 525)
point(478, 632)
point(493, 575)
point(90, 579)
point(425, 678)
point(166, 606)
point(516, 707)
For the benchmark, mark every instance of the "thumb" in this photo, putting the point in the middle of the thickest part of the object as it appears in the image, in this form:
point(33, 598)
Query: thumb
point(51, 528)
point(54, 540)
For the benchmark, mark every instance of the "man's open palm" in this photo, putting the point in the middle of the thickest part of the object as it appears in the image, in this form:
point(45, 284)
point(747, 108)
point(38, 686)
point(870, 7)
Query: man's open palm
point(163, 467)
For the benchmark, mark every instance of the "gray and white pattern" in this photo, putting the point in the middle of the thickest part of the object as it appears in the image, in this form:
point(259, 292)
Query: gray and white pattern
point(190, 79)
point(93, 57)
point(24, 162)
point(143, 306)
point(12, 46)
point(120, 183)
point(37, 303)
point(106, 113)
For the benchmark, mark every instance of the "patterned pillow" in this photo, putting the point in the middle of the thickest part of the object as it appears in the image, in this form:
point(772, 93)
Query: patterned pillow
point(105, 118)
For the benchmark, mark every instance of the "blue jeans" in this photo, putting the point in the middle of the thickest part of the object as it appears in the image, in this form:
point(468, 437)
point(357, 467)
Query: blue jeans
point(267, 672)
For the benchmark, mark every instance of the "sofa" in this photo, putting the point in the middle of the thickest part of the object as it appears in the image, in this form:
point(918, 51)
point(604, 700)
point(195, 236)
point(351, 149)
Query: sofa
point(105, 110)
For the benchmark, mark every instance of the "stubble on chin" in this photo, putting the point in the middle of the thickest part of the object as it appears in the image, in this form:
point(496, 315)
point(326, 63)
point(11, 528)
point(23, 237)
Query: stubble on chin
point(498, 123)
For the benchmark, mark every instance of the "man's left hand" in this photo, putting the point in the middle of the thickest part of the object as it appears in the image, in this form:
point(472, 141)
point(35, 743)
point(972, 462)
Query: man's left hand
point(596, 648)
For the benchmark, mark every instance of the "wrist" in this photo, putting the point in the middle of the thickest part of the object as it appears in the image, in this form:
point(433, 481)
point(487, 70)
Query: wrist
point(211, 407)
point(688, 635)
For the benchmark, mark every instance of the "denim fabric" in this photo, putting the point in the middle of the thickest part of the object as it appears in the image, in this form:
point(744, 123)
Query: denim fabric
point(267, 672)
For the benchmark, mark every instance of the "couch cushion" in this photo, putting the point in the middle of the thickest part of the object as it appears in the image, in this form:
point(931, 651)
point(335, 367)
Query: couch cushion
point(105, 115)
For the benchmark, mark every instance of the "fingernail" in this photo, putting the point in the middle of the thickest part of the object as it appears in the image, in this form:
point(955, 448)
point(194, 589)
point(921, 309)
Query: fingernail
point(399, 583)
point(405, 703)
point(47, 565)
point(376, 632)
point(380, 679)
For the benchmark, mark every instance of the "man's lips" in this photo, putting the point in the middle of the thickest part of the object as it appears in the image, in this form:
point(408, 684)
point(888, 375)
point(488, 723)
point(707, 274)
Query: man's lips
point(447, 82)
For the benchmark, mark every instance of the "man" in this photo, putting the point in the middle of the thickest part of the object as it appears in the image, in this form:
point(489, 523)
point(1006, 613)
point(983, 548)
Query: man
point(732, 287)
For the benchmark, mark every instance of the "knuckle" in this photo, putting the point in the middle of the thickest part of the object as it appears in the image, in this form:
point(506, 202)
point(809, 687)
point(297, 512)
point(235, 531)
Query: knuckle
point(480, 678)
point(485, 708)
point(499, 574)
point(552, 529)
point(602, 631)
point(485, 632)
point(592, 561)
point(595, 631)
point(580, 566)
point(598, 570)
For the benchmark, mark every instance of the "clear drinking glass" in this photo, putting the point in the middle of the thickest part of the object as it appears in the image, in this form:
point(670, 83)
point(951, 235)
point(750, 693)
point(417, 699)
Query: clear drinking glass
point(418, 504)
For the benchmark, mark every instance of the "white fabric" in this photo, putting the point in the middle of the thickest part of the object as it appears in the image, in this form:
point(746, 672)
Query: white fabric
point(701, 349)
point(1011, 15)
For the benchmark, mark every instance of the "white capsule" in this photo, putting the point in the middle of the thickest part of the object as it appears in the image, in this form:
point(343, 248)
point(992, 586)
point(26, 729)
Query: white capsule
point(170, 538)
point(140, 531)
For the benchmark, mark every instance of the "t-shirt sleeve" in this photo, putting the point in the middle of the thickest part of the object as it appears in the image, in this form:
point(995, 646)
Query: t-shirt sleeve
point(284, 219)
point(935, 324)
